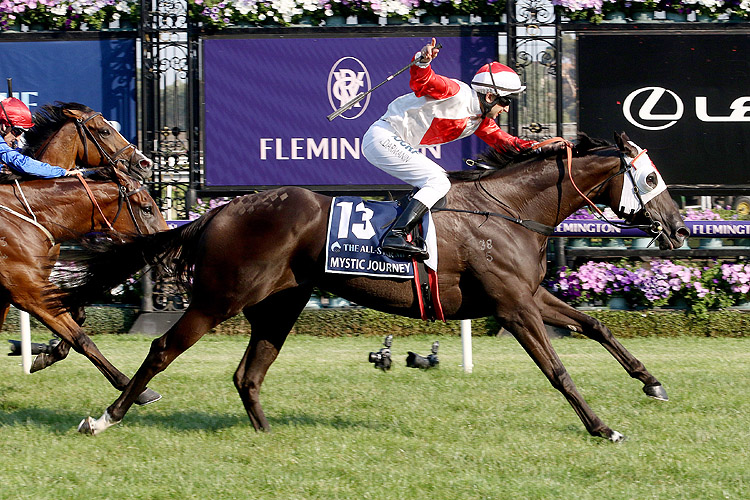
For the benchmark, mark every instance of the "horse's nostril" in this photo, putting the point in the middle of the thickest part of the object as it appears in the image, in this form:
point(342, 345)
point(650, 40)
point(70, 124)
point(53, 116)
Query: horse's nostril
point(145, 163)
point(683, 232)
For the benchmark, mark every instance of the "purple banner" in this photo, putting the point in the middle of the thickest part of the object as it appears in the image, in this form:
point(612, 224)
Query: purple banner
point(698, 228)
point(266, 102)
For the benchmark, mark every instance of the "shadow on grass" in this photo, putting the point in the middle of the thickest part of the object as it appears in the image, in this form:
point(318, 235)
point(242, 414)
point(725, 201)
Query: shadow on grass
point(61, 422)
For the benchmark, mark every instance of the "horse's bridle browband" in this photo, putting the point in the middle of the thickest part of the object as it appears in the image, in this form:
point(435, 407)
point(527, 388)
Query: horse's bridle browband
point(654, 227)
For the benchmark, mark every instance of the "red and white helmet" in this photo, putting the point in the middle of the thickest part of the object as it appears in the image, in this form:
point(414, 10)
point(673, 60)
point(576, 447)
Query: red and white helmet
point(15, 113)
point(497, 79)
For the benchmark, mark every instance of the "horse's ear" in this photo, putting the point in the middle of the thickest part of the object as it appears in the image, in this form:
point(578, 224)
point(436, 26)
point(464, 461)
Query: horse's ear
point(73, 113)
point(623, 143)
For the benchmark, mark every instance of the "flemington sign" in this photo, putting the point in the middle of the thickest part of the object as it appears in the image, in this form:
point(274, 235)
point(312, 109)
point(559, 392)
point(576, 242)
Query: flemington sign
point(577, 228)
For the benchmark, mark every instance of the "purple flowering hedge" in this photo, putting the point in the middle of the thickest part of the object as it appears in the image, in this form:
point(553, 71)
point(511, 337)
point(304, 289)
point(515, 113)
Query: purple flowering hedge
point(698, 286)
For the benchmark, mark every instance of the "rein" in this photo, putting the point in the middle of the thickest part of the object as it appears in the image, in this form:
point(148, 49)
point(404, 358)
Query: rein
point(625, 167)
point(123, 194)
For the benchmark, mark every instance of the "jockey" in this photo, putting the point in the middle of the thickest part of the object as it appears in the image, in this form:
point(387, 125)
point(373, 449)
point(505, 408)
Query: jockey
point(15, 119)
point(440, 110)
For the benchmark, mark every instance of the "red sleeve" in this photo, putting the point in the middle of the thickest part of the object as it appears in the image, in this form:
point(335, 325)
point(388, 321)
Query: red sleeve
point(500, 140)
point(424, 81)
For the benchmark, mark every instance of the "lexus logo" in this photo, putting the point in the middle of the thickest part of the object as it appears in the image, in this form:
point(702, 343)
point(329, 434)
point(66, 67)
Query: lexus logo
point(347, 78)
point(646, 110)
point(646, 118)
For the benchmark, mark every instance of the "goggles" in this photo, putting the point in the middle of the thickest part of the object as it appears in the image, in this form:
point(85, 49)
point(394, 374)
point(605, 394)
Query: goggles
point(18, 131)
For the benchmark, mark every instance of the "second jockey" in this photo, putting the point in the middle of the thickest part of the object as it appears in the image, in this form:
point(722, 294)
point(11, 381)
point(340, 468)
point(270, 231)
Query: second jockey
point(439, 110)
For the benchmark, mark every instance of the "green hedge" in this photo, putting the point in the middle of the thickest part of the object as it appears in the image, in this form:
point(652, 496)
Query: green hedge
point(357, 321)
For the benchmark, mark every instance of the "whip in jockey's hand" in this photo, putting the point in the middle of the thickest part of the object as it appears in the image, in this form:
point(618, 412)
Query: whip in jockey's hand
point(15, 119)
point(439, 110)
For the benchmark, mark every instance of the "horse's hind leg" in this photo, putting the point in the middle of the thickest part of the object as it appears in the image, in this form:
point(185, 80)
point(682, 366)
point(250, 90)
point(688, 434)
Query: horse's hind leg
point(271, 322)
point(555, 312)
point(61, 350)
point(183, 334)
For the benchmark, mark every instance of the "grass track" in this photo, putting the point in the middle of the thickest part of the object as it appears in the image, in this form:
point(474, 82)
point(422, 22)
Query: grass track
point(343, 430)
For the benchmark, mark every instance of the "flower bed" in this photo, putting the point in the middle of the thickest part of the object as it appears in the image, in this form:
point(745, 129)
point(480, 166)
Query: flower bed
point(596, 10)
point(67, 14)
point(659, 283)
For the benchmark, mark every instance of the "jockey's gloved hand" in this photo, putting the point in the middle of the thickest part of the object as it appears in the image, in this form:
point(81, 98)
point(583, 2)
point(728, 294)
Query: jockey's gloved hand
point(550, 149)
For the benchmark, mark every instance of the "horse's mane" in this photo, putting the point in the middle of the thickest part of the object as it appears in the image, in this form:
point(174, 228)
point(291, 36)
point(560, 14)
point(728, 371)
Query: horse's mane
point(47, 120)
point(493, 160)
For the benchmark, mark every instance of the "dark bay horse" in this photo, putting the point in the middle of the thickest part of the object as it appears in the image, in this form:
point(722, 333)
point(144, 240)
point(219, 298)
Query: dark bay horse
point(49, 211)
point(262, 254)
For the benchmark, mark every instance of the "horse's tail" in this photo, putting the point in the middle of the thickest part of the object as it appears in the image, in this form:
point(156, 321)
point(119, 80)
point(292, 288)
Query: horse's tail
point(105, 263)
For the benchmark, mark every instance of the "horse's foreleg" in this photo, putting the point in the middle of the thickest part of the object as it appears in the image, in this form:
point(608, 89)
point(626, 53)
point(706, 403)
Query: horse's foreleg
point(555, 312)
point(271, 322)
point(183, 334)
point(524, 321)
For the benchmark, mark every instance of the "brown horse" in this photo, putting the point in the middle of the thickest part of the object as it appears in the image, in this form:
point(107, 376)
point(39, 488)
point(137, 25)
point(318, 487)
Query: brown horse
point(49, 211)
point(262, 254)
point(69, 134)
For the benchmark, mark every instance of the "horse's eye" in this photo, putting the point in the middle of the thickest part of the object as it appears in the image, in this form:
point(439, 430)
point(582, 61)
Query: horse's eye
point(148, 210)
point(651, 180)
point(105, 132)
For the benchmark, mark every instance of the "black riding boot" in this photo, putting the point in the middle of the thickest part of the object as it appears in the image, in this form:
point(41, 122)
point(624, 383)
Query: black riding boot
point(395, 240)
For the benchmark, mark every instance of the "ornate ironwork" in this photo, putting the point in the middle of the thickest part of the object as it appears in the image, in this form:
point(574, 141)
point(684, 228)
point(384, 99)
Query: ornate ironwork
point(533, 50)
point(168, 113)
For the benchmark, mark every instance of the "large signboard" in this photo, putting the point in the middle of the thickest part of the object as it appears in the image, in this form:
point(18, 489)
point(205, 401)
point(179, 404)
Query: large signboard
point(266, 102)
point(684, 97)
point(98, 73)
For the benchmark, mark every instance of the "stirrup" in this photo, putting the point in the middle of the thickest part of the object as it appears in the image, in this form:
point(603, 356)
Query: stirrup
point(398, 243)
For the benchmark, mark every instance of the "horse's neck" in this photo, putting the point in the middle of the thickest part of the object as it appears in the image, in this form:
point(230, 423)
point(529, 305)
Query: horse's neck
point(60, 205)
point(60, 150)
point(541, 191)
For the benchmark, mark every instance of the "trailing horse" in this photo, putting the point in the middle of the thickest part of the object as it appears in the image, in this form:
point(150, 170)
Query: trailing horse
point(38, 214)
point(262, 254)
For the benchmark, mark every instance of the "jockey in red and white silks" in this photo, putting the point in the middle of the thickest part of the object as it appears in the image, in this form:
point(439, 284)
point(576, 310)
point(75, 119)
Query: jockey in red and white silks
point(439, 110)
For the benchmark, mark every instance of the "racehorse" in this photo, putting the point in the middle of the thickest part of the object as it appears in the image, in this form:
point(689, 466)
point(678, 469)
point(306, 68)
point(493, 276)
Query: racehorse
point(69, 134)
point(262, 254)
point(49, 211)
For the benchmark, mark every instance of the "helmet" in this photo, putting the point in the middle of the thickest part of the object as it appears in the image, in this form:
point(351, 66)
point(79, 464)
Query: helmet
point(15, 113)
point(497, 79)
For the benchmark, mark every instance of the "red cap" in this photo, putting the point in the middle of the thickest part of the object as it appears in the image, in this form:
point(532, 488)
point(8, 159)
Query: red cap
point(16, 113)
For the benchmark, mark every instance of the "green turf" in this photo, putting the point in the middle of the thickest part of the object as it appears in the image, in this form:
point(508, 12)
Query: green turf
point(344, 430)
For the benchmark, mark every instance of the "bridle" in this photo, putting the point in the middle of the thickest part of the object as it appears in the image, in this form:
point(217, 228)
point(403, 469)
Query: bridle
point(86, 135)
point(123, 196)
point(653, 227)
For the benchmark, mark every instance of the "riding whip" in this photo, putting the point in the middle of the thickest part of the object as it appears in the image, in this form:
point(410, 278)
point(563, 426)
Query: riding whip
point(362, 95)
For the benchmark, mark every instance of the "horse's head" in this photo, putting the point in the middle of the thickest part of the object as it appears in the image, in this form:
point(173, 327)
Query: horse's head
point(109, 146)
point(143, 213)
point(643, 199)
point(70, 134)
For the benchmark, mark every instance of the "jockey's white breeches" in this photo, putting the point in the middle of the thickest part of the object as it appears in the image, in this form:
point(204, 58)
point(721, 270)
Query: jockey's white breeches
point(385, 149)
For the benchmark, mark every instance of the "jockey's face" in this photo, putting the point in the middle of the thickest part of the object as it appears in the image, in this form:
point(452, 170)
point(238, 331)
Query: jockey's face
point(498, 108)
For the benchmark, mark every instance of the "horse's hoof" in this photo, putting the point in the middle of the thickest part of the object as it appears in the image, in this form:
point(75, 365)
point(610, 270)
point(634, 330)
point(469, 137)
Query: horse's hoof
point(616, 437)
point(656, 391)
point(39, 363)
point(86, 426)
point(148, 396)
